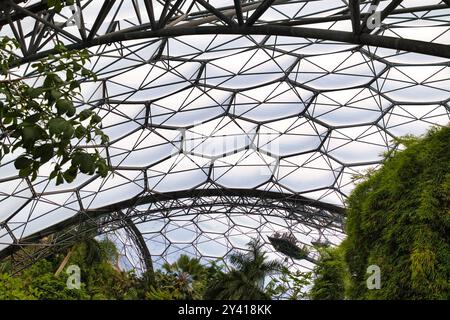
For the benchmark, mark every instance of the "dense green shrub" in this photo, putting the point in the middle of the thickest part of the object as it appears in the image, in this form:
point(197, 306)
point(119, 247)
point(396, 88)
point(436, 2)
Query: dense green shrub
point(39, 283)
point(100, 277)
point(399, 219)
point(329, 283)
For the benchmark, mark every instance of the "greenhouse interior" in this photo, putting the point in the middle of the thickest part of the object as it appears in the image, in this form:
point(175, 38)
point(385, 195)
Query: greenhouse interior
point(224, 150)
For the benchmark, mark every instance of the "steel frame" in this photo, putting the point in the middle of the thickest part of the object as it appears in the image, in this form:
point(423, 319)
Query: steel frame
point(199, 17)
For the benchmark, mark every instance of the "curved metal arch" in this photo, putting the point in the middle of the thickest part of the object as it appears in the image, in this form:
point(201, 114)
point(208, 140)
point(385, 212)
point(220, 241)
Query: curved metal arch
point(21, 260)
point(138, 241)
point(433, 49)
point(312, 213)
point(166, 26)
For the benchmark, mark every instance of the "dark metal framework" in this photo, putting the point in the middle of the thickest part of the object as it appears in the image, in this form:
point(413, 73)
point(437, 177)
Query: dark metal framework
point(222, 111)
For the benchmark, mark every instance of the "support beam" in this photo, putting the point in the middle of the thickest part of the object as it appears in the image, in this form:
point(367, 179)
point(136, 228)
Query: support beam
point(17, 15)
point(373, 4)
point(355, 16)
point(386, 12)
point(259, 12)
point(238, 10)
point(229, 12)
point(35, 8)
point(216, 12)
point(390, 8)
point(296, 203)
point(423, 47)
point(150, 13)
point(165, 17)
point(365, 16)
point(82, 28)
point(44, 21)
point(139, 242)
point(163, 14)
point(106, 7)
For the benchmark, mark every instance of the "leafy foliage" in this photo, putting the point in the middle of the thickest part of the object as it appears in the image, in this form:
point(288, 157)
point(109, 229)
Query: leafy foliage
point(184, 279)
point(100, 278)
point(38, 283)
point(246, 280)
point(290, 285)
point(398, 219)
point(57, 5)
point(38, 116)
point(98, 261)
point(330, 272)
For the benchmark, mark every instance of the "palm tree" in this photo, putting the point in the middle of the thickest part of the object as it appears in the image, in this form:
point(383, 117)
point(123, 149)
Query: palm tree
point(89, 252)
point(246, 280)
point(188, 276)
point(186, 265)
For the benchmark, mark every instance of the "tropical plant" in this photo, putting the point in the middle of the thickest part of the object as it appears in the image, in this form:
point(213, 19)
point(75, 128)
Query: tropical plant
point(330, 273)
point(399, 220)
point(184, 279)
point(100, 278)
point(246, 280)
point(39, 119)
point(38, 283)
point(289, 285)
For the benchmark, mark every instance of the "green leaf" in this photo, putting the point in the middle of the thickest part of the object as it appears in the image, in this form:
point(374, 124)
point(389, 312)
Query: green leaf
point(95, 119)
point(25, 172)
point(34, 118)
point(104, 138)
point(45, 152)
point(30, 134)
point(63, 106)
point(85, 162)
point(86, 113)
point(85, 72)
point(53, 174)
point(59, 179)
point(71, 111)
point(34, 175)
point(34, 92)
point(22, 162)
point(56, 94)
point(102, 168)
point(57, 125)
point(80, 131)
point(69, 75)
point(68, 131)
point(70, 174)
point(74, 84)
point(33, 105)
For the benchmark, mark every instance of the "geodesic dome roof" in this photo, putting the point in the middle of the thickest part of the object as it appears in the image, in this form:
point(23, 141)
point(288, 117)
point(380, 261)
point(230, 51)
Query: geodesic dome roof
point(227, 119)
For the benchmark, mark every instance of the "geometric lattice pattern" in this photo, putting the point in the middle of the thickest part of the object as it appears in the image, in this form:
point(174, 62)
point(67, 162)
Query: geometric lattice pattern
point(228, 119)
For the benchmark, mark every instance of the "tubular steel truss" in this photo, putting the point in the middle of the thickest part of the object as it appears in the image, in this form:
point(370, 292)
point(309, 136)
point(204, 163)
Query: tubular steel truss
point(227, 119)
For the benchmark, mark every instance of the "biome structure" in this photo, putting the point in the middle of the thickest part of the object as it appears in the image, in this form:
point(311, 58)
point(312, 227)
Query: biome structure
point(227, 119)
